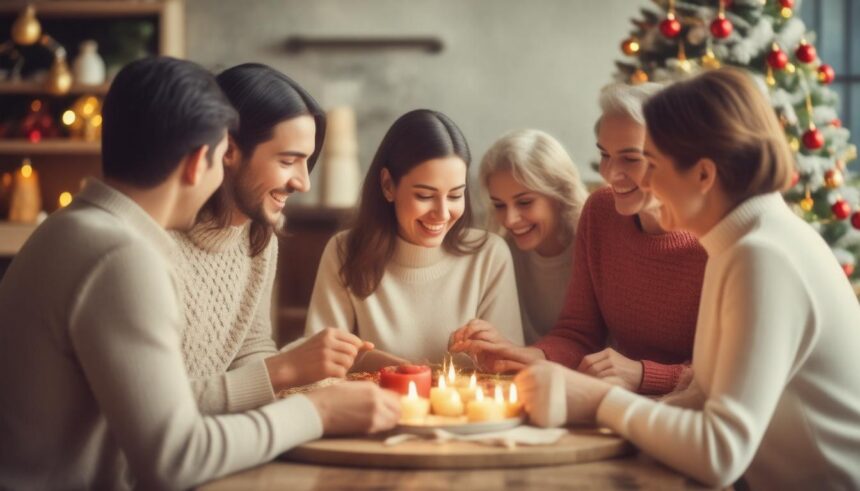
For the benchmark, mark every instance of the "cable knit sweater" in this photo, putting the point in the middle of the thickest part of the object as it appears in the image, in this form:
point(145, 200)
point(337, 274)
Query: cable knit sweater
point(425, 294)
point(775, 361)
point(227, 306)
point(637, 291)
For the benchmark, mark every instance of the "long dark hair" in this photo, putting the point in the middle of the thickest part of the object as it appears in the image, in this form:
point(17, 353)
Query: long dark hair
point(416, 137)
point(264, 98)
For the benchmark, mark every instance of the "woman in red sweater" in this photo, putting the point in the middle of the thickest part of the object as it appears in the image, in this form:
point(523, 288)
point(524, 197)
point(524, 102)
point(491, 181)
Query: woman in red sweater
point(632, 301)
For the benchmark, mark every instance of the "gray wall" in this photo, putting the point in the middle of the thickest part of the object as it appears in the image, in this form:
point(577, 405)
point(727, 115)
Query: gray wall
point(506, 64)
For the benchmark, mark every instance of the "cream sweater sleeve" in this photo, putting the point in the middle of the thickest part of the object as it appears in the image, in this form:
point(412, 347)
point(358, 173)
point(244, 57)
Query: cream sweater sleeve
point(246, 384)
point(331, 303)
point(500, 304)
point(765, 330)
point(136, 373)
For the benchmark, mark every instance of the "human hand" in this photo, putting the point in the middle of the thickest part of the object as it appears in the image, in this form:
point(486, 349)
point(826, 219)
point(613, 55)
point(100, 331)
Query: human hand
point(554, 395)
point(352, 408)
point(491, 351)
point(614, 368)
point(329, 353)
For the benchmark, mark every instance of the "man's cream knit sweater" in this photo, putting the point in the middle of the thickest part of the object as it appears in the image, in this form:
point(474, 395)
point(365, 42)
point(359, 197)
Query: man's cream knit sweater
point(227, 305)
point(94, 389)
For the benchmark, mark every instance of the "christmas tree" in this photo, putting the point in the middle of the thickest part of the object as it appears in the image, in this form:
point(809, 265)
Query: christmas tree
point(676, 38)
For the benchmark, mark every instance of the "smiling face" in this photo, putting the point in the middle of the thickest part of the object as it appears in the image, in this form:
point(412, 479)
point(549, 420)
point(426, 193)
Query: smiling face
point(428, 200)
point(620, 141)
point(682, 203)
point(276, 168)
point(531, 218)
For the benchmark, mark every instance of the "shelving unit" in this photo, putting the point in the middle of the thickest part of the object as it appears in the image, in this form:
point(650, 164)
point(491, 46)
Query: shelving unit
point(62, 164)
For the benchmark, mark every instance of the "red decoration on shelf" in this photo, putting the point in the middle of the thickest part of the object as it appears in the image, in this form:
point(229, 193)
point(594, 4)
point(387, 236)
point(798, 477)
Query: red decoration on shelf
point(777, 59)
point(670, 27)
point(805, 53)
point(788, 4)
point(848, 268)
point(826, 74)
point(841, 209)
point(721, 27)
point(813, 139)
point(398, 378)
point(855, 220)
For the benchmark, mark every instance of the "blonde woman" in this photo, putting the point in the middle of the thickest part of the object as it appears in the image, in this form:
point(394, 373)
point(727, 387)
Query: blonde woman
point(616, 323)
point(536, 196)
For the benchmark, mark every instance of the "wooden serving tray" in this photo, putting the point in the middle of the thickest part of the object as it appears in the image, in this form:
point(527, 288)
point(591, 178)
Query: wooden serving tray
point(579, 445)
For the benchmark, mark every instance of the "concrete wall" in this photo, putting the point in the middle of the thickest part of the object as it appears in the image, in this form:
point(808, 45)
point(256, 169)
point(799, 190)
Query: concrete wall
point(506, 64)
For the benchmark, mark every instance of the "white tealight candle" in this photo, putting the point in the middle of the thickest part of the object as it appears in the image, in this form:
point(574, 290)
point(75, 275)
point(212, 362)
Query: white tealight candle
point(413, 409)
point(514, 406)
point(445, 400)
point(468, 393)
point(482, 409)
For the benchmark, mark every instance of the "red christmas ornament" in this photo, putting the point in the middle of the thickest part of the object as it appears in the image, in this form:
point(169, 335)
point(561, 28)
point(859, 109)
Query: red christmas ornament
point(813, 139)
point(848, 268)
point(826, 74)
point(721, 27)
point(35, 136)
point(777, 59)
point(805, 53)
point(855, 220)
point(841, 209)
point(670, 27)
point(788, 4)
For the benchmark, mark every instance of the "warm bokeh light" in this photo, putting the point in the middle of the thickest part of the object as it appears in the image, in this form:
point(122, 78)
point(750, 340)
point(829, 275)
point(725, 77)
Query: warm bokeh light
point(65, 199)
point(69, 118)
point(26, 170)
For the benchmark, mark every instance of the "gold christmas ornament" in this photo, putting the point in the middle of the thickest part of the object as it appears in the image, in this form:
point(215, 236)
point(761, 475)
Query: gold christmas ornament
point(790, 68)
point(833, 178)
point(639, 77)
point(26, 30)
point(769, 79)
point(786, 13)
point(709, 61)
point(806, 204)
point(794, 144)
point(59, 77)
point(631, 46)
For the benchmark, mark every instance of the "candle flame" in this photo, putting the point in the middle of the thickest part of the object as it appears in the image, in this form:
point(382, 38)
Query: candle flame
point(413, 390)
point(479, 395)
point(441, 382)
point(452, 375)
point(500, 398)
point(26, 170)
point(473, 381)
point(513, 394)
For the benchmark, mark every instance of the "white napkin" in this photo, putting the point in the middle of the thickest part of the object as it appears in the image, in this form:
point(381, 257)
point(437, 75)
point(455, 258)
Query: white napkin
point(521, 435)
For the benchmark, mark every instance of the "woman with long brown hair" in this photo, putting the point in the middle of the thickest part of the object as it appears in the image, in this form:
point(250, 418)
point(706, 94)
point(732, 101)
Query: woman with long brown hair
point(411, 270)
point(775, 395)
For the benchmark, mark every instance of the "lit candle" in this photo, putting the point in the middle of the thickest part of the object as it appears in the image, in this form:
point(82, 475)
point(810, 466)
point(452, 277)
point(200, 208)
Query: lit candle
point(413, 409)
point(468, 393)
point(445, 400)
point(26, 201)
point(514, 406)
point(482, 409)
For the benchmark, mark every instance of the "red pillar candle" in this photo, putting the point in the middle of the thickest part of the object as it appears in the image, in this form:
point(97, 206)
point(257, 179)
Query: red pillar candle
point(398, 378)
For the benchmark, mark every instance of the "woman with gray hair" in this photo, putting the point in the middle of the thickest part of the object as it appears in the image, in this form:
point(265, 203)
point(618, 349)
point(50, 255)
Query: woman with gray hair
point(617, 323)
point(536, 196)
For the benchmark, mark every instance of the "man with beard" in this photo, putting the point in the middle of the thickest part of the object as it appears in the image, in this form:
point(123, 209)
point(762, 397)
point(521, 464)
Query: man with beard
point(230, 256)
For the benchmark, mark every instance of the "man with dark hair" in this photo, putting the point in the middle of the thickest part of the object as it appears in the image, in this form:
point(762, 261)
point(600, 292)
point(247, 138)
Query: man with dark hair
point(95, 394)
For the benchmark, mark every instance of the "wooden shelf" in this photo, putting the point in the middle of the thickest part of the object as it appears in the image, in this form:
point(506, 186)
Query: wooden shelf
point(58, 146)
point(37, 89)
point(13, 236)
point(84, 8)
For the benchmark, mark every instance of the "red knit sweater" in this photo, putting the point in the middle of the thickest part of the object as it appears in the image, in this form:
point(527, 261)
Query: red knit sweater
point(635, 291)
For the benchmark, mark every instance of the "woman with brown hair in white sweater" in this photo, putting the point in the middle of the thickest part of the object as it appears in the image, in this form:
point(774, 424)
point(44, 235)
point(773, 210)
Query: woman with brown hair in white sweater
point(411, 271)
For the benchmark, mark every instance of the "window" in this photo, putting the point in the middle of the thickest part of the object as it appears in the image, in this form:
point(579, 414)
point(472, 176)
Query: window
point(837, 27)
